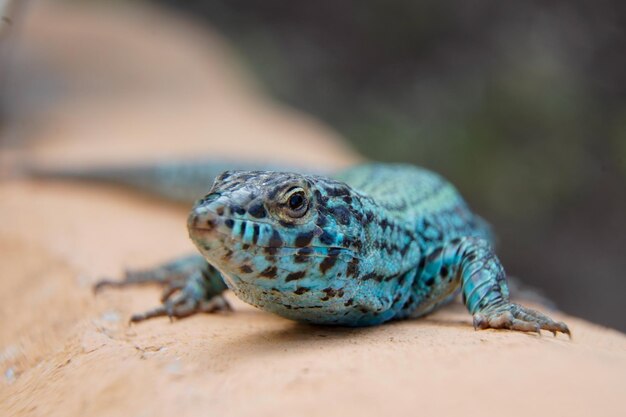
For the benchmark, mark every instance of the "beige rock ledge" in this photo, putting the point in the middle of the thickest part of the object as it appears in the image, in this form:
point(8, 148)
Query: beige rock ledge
point(65, 352)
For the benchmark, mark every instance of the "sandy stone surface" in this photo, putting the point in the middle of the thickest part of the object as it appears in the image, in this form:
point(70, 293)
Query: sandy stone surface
point(66, 352)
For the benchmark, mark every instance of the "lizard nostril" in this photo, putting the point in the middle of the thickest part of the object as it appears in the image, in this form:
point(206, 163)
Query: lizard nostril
point(202, 219)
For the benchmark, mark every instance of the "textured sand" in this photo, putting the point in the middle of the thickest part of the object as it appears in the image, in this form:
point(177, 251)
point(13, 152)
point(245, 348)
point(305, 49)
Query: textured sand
point(64, 352)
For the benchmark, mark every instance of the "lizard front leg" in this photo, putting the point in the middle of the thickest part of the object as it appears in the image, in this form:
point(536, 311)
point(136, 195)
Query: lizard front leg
point(471, 264)
point(190, 286)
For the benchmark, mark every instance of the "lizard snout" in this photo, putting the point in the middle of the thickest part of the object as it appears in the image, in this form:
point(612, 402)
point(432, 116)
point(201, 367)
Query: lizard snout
point(205, 216)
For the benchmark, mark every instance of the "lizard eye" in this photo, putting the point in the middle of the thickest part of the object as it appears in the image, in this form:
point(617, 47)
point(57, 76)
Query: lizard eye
point(296, 203)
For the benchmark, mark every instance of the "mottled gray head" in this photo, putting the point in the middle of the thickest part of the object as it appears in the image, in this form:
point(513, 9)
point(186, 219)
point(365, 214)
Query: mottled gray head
point(283, 232)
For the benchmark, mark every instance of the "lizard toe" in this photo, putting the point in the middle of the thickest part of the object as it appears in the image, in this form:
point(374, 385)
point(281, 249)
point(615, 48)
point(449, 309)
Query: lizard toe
point(517, 317)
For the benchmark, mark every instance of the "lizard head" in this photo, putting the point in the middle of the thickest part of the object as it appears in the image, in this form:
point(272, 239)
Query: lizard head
point(282, 239)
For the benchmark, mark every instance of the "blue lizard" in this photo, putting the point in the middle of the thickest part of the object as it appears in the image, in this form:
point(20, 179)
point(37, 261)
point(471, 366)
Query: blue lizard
point(375, 243)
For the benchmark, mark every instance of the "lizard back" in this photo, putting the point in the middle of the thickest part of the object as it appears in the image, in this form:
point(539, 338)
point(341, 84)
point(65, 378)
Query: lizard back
point(418, 198)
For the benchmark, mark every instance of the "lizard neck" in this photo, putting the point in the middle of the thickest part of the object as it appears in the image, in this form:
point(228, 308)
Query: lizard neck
point(392, 246)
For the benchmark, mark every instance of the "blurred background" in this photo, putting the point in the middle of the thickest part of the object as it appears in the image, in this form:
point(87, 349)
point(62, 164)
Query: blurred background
point(522, 105)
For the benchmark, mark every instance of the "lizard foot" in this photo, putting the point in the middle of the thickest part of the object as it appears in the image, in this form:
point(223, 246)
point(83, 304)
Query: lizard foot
point(190, 286)
point(181, 307)
point(179, 301)
point(517, 317)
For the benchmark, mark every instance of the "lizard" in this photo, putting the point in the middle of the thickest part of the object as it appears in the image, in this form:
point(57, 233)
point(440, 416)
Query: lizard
point(372, 243)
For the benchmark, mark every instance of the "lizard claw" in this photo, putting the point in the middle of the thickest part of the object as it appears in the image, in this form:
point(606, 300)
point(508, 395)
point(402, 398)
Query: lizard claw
point(104, 283)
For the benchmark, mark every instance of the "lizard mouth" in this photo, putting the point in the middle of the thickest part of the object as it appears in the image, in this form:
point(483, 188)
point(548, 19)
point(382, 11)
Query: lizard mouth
point(207, 229)
point(231, 240)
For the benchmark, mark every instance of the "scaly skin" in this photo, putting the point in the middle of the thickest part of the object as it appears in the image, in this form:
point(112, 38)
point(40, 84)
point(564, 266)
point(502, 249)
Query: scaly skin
point(376, 243)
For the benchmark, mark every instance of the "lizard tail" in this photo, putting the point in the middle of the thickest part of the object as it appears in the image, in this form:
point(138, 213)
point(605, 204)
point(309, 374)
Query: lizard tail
point(180, 181)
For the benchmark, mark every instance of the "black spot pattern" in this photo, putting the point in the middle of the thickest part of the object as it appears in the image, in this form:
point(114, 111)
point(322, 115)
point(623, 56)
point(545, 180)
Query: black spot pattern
point(257, 210)
point(304, 239)
point(269, 272)
point(294, 276)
